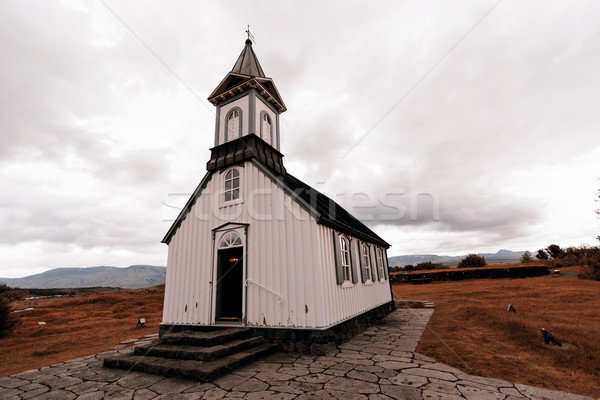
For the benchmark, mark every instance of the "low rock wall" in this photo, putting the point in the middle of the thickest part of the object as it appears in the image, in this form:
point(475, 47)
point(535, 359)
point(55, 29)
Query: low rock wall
point(320, 342)
point(481, 273)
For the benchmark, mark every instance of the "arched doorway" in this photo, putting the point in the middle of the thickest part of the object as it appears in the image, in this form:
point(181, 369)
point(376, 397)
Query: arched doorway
point(230, 276)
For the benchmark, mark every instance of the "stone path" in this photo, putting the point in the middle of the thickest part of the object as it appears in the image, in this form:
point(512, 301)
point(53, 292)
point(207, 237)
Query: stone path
point(378, 364)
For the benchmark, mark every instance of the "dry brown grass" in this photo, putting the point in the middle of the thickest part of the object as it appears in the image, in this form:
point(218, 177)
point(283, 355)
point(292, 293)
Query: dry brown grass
point(77, 327)
point(470, 317)
point(471, 322)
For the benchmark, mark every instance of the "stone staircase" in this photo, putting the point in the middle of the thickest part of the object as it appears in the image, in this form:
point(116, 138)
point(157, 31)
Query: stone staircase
point(198, 355)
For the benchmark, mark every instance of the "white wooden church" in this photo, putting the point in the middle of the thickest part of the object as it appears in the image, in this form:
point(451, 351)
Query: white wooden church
point(255, 246)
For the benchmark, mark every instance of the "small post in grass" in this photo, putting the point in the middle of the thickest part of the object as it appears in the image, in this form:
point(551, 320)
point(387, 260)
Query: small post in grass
point(41, 324)
point(141, 322)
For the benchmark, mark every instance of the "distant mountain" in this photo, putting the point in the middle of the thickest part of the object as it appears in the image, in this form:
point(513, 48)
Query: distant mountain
point(135, 276)
point(502, 256)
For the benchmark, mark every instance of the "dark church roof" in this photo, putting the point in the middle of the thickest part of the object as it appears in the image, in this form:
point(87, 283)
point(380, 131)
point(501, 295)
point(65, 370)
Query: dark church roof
point(247, 74)
point(331, 214)
point(252, 148)
point(247, 63)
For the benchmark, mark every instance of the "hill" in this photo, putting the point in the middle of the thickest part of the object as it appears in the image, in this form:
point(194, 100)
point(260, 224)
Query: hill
point(502, 256)
point(135, 276)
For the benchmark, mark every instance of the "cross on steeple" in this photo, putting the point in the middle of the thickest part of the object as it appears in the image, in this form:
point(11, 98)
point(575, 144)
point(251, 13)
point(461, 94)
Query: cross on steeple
point(250, 36)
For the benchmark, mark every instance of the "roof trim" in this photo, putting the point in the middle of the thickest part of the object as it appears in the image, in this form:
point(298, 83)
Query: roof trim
point(222, 92)
point(237, 224)
point(279, 182)
point(186, 209)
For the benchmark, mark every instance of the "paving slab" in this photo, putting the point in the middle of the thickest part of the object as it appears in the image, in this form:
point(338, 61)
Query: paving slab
point(377, 364)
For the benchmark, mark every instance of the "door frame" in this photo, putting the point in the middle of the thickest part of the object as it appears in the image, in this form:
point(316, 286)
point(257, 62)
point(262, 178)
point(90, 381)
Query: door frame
point(217, 234)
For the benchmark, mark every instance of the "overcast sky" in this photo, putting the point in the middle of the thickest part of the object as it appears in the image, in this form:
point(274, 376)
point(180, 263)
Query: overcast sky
point(448, 127)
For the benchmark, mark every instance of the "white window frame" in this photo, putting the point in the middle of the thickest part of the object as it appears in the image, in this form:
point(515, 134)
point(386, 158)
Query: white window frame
point(267, 136)
point(366, 263)
point(229, 240)
point(234, 113)
point(231, 190)
point(380, 263)
point(345, 259)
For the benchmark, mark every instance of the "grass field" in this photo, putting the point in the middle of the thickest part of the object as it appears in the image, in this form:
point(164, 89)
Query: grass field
point(77, 327)
point(472, 330)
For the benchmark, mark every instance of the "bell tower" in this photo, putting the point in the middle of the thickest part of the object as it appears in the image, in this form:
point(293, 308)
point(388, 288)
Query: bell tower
point(247, 102)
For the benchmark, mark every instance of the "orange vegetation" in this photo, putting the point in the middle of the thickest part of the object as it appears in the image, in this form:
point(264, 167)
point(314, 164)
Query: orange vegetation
point(77, 326)
point(472, 330)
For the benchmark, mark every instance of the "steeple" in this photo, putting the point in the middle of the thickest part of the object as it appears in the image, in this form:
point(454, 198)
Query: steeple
point(247, 102)
point(247, 63)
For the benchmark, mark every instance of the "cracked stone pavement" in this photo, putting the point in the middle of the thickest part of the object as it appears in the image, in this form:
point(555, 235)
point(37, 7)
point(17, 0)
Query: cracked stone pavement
point(380, 363)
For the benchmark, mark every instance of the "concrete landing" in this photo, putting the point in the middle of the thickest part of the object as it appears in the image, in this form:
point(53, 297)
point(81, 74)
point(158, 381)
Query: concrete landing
point(378, 364)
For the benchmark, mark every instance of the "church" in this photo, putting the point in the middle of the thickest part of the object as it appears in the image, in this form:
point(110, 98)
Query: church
point(256, 247)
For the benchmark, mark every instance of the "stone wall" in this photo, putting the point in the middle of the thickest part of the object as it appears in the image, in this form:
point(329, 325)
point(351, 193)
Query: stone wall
point(320, 342)
point(474, 273)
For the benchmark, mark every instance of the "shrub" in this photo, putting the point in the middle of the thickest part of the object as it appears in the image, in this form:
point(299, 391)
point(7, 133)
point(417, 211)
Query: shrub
point(573, 255)
point(409, 267)
point(541, 255)
point(554, 251)
point(526, 257)
point(8, 320)
point(472, 261)
point(590, 261)
point(428, 265)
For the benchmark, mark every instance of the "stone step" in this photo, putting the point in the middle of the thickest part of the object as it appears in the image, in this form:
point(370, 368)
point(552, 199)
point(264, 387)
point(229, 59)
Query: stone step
point(204, 339)
point(202, 371)
point(189, 352)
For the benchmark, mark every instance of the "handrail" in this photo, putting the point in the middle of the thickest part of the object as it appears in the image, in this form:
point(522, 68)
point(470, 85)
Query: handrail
point(280, 299)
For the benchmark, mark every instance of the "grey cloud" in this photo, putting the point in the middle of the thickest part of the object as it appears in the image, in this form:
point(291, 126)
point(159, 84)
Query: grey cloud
point(517, 95)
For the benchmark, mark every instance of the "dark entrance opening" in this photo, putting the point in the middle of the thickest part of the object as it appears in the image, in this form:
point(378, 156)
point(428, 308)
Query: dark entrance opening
point(230, 275)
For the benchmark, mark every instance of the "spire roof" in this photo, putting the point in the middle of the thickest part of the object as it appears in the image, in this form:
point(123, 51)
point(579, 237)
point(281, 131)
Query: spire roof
point(247, 74)
point(247, 63)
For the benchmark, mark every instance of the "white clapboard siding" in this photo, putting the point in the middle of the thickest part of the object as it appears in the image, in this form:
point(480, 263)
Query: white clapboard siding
point(342, 303)
point(281, 254)
point(281, 239)
point(188, 269)
point(287, 254)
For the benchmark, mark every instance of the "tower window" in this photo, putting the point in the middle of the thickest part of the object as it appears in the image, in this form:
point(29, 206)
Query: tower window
point(233, 125)
point(232, 185)
point(266, 127)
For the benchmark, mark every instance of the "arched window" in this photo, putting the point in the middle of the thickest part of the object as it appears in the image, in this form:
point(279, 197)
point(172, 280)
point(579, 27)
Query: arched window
point(266, 127)
point(232, 185)
point(230, 239)
point(380, 264)
point(366, 262)
point(233, 125)
point(345, 258)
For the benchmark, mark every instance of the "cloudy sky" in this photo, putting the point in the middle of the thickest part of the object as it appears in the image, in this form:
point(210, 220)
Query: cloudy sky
point(448, 127)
